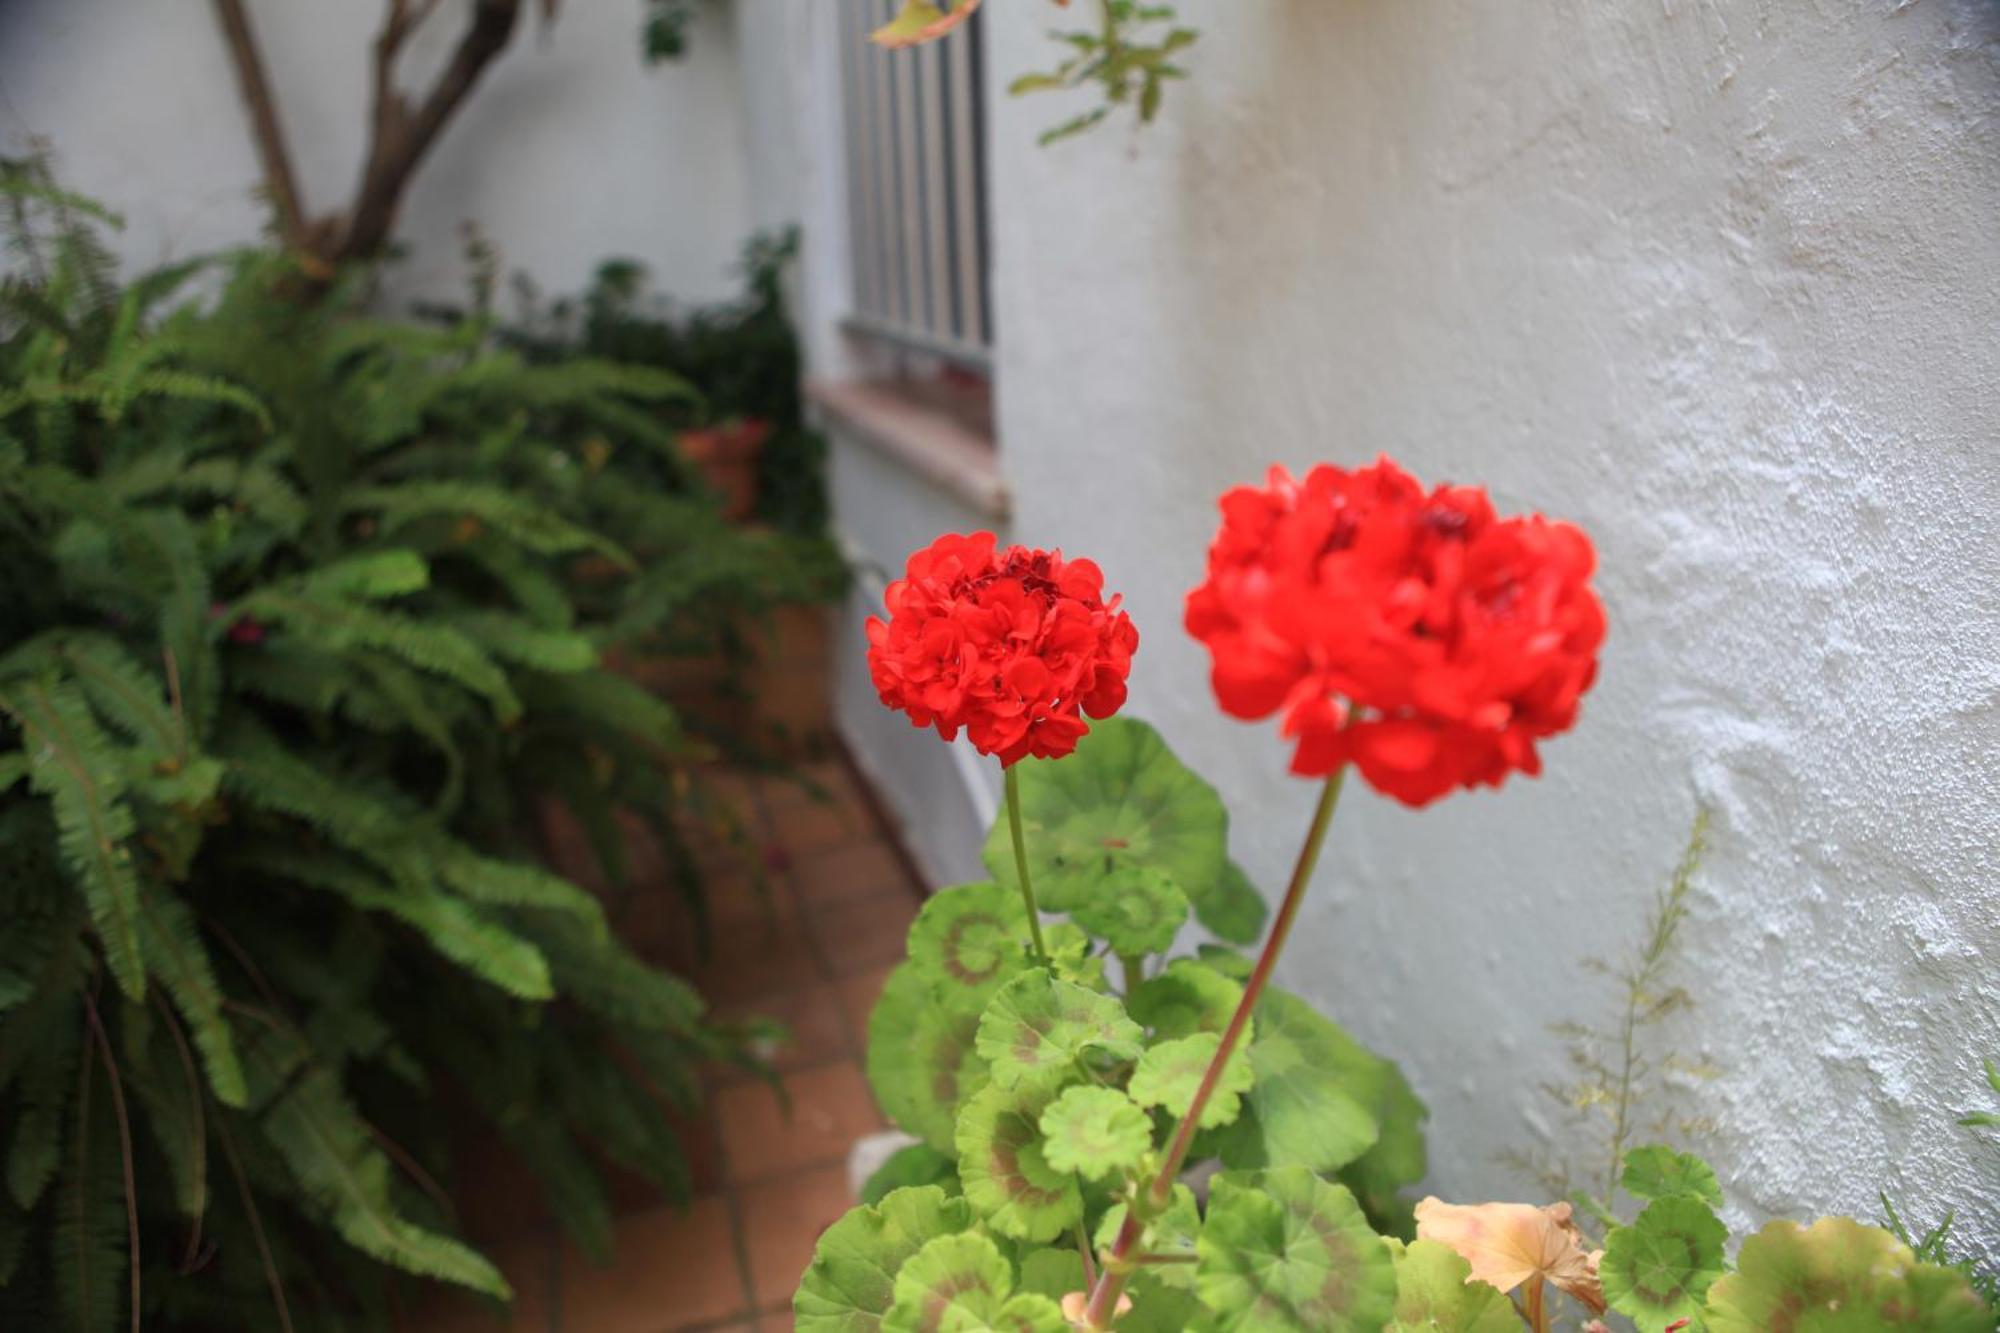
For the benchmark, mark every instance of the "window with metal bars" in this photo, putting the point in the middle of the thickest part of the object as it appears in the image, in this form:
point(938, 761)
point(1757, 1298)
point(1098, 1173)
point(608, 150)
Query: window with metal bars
point(916, 188)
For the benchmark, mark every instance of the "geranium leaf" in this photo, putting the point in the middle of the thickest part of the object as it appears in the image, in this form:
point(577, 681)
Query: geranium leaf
point(963, 1284)
point(968, 941)
point(1053, 1273)
point(922, 1058)
point(1229, 905)
point(1137, 910)
point(1170, 1073)
point(1658, 1172)
point(1284, 1251)
point(917, 1164)
point(1312, 1094)
point(1095, 1132)
point(1173, 1232)
point(1122, 800)
point(1005, 1172)
point(1187, 998)
point(1037, 1029)
point(1435, 1294)
point(1660, 1268)
point(1838, 1276)
point(850, 1284)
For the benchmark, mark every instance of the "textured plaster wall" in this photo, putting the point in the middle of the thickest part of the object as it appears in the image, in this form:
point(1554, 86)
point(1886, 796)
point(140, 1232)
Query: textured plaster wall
point(569, 150)
point(1717, 279)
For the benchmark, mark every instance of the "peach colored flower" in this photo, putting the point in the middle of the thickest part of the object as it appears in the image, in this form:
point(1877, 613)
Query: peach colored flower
point(1508, 1244)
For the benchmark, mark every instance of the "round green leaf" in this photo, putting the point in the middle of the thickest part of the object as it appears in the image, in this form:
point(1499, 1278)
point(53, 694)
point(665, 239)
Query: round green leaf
point(1658, 1269)
point(923, 1061)
point(1137, 910)
point(1170, 1074)
point(968, 941)
point(1435, 1294)
point(1313, 1093)
point(1037, 1031)
point(1230, 906)
point(1122, 800)
point(1052, 1273)
point(1187, 998)
point(1285, 1252)
point(1838, 1276)
point(963, 1284)
point(1658, 1172)
point(850, 1284)
point(1173, 1232)
point(917, 1164)
point(1005, 1171)
point(1095, 1132)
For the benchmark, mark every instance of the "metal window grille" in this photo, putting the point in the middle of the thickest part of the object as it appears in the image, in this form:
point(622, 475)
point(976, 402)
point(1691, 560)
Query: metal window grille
point(916, 186)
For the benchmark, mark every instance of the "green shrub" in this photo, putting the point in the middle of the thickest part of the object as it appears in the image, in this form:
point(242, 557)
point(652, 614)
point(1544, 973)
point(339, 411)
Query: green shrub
point(303, 625)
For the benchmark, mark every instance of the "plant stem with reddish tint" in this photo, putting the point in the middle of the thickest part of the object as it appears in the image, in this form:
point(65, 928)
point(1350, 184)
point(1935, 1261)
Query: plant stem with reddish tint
point(1144, 1207)
point(1021, 865)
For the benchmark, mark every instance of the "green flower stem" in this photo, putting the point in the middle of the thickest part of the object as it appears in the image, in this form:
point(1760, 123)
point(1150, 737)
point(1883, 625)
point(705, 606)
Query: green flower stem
point(1021, 864)
point(1134, 966)
point(1118, 1264)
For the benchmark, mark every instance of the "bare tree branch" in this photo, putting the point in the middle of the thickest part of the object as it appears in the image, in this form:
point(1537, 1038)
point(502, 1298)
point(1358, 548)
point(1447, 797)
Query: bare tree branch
point(272, 153)
point(400, 133)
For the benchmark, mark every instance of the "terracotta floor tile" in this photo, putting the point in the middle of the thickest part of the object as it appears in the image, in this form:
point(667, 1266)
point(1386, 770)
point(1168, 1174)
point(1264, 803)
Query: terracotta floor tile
point(857, 870)
point(861, 934)
point(819, 780)
point(830, 1108)
point(816, 1031)
point(755, 958)
point(782, 1220)
point(673, 1269)
point(858, 994)
point(775, 1321)
point(808, 828)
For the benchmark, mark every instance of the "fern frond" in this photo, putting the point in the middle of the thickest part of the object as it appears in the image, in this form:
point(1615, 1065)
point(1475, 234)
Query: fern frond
point(180, 960)
point(336, 1163)
point(497, 883)
point(42, 1109)
point(514, 639)
point(89, 1243)
point(508, 512)
point(77, 766)
point(610, 705)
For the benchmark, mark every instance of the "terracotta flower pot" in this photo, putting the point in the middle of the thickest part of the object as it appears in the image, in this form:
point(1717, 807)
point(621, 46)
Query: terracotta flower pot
point(727, 456)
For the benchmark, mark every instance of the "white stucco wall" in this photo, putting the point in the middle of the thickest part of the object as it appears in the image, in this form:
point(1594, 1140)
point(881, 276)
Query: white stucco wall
point(1720, 281)
point(569, 151)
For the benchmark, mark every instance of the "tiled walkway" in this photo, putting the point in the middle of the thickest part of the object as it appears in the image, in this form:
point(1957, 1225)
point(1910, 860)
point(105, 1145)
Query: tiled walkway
point(811, 949)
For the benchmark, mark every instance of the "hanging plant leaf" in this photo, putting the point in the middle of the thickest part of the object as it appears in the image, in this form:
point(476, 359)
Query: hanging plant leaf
point(1659, 1269)
point(1312, 1094)
point(1005, 1170)
point(1230, 906)
point(1095, 1132)
point(963, 1284)
point(1658, 1172)
point(1136, 911)
point(921, 21)
point(1838, 1276)
point(908, 1168)
point(851, 1283)
point(1038, 1030)
point(923, 1061)
point(1283, 1250)
point(1435, 1294)
point(968, 941)
point(1121, 800)
point(1173, 1232)
point(1170, 1073)
point(1187, 998)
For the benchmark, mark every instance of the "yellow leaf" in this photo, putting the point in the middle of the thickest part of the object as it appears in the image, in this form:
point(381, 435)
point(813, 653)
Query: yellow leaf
point(1508, 1244)
point(921, 21)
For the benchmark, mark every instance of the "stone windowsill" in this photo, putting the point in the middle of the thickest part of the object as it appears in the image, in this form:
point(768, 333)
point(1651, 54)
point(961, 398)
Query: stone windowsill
point(934, 444)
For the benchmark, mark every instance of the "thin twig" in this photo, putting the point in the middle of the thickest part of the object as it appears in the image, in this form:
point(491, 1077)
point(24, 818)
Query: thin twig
point(276, 1282)
point(200, 1101)
point(255, 85)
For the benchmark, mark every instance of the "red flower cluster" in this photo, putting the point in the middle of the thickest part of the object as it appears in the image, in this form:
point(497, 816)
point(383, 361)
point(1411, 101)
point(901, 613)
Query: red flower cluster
point(1419, 636)
point(1011, 645)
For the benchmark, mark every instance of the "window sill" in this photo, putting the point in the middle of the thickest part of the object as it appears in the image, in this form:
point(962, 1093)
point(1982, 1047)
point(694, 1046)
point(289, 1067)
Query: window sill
point(934, 444)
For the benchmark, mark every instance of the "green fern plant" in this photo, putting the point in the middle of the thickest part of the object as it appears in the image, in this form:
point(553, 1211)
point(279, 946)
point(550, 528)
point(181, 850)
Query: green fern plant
point(306, 621)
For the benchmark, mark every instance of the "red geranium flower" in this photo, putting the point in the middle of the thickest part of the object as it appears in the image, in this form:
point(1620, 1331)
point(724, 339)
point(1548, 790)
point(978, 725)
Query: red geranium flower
point(1417, 635)
point(1013, 645)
